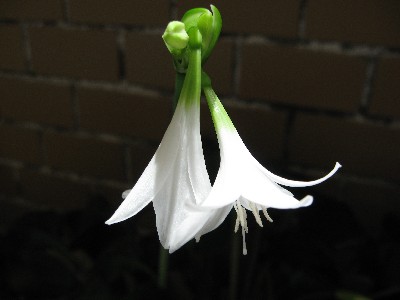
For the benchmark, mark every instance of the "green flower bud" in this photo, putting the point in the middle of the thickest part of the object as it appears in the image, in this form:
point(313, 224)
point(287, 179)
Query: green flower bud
point(175, 36)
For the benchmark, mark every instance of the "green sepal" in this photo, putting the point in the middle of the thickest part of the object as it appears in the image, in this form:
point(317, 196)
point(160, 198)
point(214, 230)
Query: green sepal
point(210, 32)
point(191, 17)
point(208, 23)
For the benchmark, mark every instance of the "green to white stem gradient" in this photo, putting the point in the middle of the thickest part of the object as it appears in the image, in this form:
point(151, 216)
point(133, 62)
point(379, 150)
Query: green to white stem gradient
point(218, 113)
point(241, 180)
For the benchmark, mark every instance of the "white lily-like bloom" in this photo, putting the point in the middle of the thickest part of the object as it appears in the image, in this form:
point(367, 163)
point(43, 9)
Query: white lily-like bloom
point(176, 179)
point(241, 180)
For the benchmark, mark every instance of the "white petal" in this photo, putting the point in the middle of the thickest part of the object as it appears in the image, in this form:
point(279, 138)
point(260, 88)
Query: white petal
point(306, 201)
point(153, 177)
point(259, 189)
point(281, 180)
point(198, 174)
point(198, 221)
point(215, 218)
point(169, 204)
point(227, 186)
point(188, 182)
point(294, 183)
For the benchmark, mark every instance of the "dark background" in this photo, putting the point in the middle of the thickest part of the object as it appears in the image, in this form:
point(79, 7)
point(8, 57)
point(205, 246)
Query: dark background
point(85, 97)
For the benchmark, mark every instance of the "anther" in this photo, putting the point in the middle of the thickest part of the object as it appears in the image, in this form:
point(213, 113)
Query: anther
point(264, 209)
point(255, 213)
point(244, 241)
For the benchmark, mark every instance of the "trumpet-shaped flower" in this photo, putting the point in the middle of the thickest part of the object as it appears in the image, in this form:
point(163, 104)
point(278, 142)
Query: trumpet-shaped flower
point(241, 180)
point(176, 179)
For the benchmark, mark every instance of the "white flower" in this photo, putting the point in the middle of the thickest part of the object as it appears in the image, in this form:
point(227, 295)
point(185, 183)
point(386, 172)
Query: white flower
point(176, 179)
point(242, 180)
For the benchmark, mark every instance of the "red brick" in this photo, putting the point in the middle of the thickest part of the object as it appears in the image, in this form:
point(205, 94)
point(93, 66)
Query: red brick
point(11, 48)
point(219, 66)
point(155, 67)
point(358, 21)
point(150, 68)
point(36, 101)
point(123, 113)
point(8, 181)
point(262, 130)
point(51, 192)
point(386, 88)
point(371, 203)
point(31, 9)
point(140, 158)
point(74, 53)
point(85, 156)
point(133, 12)
point(275, 18)
point(302, 77)
point(19, 144)
point(364, 149)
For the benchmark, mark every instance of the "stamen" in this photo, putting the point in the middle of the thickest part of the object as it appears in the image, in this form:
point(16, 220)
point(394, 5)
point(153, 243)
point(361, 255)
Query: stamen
point(237, 224)
point(241, 220)
point(264, 209)
point(255, 213)
point(242, 216)
point(235, 207)
point(244, 212)
point(244, 241)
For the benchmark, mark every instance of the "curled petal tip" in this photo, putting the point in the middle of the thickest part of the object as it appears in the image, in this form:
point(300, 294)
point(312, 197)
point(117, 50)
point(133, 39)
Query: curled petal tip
point(125, 194)
point(306, 201)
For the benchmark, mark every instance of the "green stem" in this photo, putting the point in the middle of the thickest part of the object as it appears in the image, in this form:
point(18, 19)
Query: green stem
point(191, 87)
point(162, 268)
point(219, 115)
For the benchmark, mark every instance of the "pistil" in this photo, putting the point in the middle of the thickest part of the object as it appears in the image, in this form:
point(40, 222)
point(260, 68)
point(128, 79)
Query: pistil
point(241, 219)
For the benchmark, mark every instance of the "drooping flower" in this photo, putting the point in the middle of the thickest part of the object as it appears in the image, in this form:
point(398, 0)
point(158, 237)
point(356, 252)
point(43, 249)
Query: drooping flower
point(241, 180)
point(176, 179)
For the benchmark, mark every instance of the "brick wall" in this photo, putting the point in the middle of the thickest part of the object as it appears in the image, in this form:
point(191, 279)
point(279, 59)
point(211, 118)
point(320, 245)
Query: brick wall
point(86, 87)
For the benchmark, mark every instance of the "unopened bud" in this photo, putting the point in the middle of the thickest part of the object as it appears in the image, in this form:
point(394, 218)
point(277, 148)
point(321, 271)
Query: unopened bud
point(175, 36)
